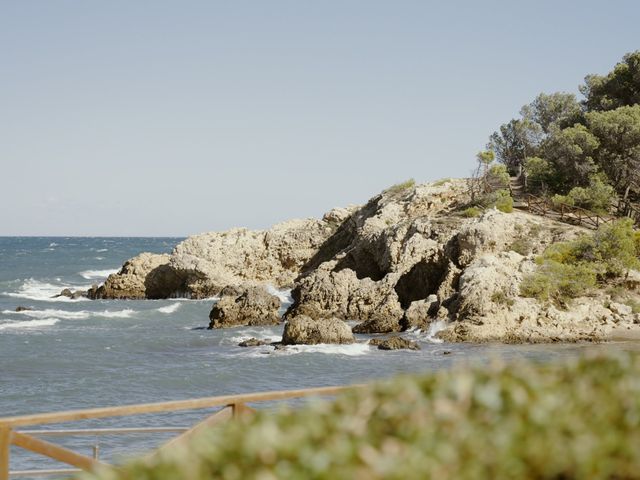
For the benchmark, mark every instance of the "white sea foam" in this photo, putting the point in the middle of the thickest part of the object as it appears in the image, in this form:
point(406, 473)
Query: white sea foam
point(32, 289)
point(67, 315)
point(46, 322)
point(53, 244)
point(430, 334)
point(102, 250)
point(170, 308)
point(434, 328)
point(97, 274)
point(283, 294)
point(49, 312)
point(352, 350)
point(126, 313)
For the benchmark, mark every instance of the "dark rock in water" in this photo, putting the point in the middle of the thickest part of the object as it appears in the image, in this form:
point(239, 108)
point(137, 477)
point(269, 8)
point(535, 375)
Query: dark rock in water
point(23, 309)
point(447, 352)
point(254, 306)
point(253, 342)
point(394, 343)
point(304, 330)
point(64, 293)
point(71, 294)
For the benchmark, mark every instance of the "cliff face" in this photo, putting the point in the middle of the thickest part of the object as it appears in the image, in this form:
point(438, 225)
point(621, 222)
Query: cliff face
point(405, 259)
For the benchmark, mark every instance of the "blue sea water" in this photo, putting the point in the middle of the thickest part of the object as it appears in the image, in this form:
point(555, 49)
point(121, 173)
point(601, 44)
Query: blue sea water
point(68, 354)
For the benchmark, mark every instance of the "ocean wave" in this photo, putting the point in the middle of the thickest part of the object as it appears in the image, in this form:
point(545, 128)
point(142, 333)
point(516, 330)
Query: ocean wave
point(32, 289)
point(46, 322)
point(67, 315)
point(126, 313)
point(49, 312)
point(284, 294)
point(97, 274)
point(351, 350)
point(170, 308)
point(102, 250)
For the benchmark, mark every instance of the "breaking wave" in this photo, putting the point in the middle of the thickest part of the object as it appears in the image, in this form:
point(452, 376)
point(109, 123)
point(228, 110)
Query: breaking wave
point(47, 322)
point(97, 274)
point(32, 289)
point(170, 308)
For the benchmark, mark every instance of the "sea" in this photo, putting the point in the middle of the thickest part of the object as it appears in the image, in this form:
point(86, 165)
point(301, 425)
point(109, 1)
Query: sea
point(65, 354)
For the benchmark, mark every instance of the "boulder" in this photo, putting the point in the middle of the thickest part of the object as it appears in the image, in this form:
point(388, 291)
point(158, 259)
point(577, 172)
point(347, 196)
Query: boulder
point(303, 330)
point(253, 342)
point(23, 309)
point(147, 275)
point(325, 294)
point(421, 312)
point(394, 343)
point(255, 306)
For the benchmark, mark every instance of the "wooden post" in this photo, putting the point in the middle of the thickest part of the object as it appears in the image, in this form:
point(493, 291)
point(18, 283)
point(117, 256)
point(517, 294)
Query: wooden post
point(5, 448)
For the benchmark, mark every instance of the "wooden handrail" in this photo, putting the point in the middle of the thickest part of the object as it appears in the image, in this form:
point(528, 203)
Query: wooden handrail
point(171, 406)
point(234, 406)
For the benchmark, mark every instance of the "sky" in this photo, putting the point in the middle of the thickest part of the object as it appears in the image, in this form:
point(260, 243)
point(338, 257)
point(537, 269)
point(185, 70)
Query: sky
point(170, 118)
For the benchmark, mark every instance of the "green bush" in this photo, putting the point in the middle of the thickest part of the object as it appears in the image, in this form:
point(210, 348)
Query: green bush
point(597, 197)
point(540, 173)
point(570, 269)
point(401, 187)
point(498, 175)
point(472, 212)
point(572, 420)
point(500, 199)
point(559, 282)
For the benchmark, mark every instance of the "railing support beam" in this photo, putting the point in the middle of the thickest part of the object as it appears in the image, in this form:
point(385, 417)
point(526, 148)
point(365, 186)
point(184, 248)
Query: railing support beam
point(5, 449)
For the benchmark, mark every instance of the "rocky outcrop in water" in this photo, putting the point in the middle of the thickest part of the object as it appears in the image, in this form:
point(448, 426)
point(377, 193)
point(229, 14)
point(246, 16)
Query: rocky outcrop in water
point(394, 343)
point(405, 259)
point(253, 307)
point(305, 330)
point(202, 265)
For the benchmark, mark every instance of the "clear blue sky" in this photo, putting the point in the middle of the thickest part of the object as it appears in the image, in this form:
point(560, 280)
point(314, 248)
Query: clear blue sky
point(172, 118)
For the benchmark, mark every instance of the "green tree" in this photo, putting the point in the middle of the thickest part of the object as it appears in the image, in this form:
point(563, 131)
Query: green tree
point(515, 141)
point(556, 109)
point(618, 88)
point(571, 151)
point(618, 133)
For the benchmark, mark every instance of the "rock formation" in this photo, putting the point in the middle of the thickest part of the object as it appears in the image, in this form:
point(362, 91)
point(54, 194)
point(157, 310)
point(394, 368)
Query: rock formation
point(310, 331)
point(394, 343)
point(253, 307)
point(202, 265)
point(406, 258)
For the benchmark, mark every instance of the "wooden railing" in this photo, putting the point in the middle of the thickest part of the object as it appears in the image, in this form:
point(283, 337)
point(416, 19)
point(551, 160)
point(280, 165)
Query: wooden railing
point(231, 406)
point(565, 212)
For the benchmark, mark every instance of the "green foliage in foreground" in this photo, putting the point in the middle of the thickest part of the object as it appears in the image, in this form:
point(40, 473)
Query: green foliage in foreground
point(570, 269)
point(554, 421)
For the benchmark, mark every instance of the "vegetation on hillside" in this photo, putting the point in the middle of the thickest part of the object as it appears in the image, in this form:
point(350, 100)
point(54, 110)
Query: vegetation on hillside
point(587, 150)
point(570, 269)
point(572, 420)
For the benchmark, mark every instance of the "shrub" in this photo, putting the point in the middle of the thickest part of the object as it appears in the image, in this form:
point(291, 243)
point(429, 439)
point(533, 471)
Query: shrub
point(500, 199)
point(597, 197)
point(502, 298)
point(570, 269)
point(401, 187)
point(441, 182)
point(569, 420)
point(558, 282)
point(498, 175)
point(541, 173)
point(522, 245)
point(472, 212)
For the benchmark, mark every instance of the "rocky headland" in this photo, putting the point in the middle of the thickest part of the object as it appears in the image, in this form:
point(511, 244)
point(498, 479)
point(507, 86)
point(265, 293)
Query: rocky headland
point(405, 260)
